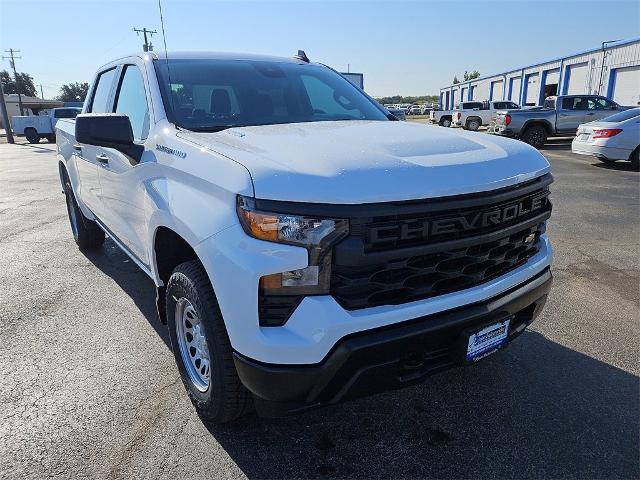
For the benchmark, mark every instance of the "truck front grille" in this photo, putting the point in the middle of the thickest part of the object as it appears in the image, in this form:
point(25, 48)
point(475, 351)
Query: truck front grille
point(422, 276)
point(424, 249)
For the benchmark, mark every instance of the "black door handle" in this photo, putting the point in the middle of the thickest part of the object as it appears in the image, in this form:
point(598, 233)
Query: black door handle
point(102, 158)
point(77, 147)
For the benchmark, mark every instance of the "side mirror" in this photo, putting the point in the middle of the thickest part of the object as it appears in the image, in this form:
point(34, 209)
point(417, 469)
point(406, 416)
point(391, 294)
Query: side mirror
point(111, 130)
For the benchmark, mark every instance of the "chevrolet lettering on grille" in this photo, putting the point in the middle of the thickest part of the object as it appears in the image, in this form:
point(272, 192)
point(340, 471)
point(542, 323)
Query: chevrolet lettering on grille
point(460, 224)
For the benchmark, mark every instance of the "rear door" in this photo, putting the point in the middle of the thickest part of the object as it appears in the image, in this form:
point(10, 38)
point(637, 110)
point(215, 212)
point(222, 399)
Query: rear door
point(121, 178)
point(86, 155)
point(571, 112)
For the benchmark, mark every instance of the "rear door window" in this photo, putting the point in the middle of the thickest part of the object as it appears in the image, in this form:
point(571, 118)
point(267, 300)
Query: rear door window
point(102, 92)
point(575, 103)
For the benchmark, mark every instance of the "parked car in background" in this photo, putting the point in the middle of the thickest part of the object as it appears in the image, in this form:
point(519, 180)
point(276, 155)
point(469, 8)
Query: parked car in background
point(399, 113)
point(559, 116)
point(441, 117)
point(473, 115)
point(376, 262)
point(427, 109)
point(415, 110)
point(616, 137)
point(35, 127)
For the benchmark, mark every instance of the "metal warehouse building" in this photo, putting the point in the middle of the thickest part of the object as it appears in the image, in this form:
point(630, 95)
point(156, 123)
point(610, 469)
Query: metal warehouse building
point(613, 70)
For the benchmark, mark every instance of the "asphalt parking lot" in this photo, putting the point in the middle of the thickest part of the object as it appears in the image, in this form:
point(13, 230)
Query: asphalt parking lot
point(89, 388)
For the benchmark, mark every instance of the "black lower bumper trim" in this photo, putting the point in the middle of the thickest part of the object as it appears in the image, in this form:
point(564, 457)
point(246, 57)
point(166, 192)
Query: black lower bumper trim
point(387, 358)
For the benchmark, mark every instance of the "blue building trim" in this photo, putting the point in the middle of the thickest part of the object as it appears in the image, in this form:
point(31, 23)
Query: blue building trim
point(543, 83)
point(565, 82)
point(565, 57)
point(612, 83)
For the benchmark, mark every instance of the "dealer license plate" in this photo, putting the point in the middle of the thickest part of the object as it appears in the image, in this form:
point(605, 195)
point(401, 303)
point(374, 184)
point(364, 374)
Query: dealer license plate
point(487, 341)
point(584, 137)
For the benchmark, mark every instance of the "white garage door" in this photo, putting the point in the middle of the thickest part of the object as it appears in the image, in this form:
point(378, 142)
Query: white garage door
point(533, 89)
point(496, 90)
point(515, 90)
point(552, 77)
point(626, 89)
point(578, 75)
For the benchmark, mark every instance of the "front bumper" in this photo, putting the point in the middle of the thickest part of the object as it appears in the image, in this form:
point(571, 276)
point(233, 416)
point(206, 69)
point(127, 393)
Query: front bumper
point(389, 357)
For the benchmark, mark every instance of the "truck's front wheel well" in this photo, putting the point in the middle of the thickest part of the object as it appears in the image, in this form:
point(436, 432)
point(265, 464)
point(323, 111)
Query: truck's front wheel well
point(170, 251)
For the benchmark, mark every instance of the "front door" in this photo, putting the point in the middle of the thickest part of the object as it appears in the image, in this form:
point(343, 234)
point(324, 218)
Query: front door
point(121, 177)
point(87, 160)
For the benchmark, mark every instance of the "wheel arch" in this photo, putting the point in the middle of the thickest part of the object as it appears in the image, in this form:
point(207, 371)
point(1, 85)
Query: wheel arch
point(535, 123)
point(168, 250)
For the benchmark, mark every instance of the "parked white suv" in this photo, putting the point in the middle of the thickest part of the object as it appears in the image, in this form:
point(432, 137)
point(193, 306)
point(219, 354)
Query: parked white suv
point(306, 247)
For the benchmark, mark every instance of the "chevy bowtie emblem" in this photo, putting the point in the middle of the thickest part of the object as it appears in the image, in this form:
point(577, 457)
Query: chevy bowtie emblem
point(530, 238)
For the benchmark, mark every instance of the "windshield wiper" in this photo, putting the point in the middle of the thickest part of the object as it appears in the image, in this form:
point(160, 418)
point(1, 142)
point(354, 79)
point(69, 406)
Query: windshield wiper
point(213, 128)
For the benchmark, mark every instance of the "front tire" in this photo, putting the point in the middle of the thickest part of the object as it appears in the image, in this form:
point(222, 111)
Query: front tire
point(201, 346)
point(86, 233)
point(635, 158)
point(32, 136)
point(536, 136)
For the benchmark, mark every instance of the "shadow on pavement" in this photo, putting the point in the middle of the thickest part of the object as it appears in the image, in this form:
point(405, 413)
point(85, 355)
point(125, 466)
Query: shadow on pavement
point(537, 409)
point(619, 165)
point(558, 144)
point(132, 280)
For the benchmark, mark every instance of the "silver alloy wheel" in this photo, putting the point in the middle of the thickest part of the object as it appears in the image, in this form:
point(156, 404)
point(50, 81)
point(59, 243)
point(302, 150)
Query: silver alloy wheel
point(193, 344)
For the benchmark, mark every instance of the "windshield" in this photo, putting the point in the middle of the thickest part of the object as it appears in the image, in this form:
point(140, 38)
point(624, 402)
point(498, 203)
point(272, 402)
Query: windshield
point(622, 116)
point(210, 95)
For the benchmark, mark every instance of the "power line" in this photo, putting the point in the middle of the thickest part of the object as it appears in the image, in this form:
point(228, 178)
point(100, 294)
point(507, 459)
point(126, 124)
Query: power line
point(12, 60)
point(148, 46)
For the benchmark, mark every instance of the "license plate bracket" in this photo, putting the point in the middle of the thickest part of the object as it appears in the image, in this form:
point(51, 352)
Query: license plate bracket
point(481, 342)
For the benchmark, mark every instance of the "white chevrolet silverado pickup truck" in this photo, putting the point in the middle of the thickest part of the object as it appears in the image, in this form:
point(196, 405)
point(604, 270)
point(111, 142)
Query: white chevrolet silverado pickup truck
point(307, 248)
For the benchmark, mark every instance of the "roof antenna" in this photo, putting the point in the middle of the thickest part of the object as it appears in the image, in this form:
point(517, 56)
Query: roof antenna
point(300, 56)
point(166, 58)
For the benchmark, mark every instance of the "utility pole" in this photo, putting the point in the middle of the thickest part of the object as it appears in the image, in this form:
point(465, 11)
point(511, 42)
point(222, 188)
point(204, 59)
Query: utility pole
point(5, 116)
point(148, 46)
point(12, 60)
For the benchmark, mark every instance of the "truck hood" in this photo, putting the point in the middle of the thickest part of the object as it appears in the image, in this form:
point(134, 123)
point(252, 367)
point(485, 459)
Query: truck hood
point(358, 161)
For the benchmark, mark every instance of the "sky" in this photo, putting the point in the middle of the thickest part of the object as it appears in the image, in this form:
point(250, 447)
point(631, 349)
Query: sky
point(402, 47)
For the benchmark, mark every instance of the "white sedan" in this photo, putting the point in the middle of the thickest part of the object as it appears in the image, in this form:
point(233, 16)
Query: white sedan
point(616, 137)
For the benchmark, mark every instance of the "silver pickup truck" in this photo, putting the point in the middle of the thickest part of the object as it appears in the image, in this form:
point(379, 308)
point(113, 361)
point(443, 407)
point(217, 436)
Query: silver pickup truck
point(559, 116)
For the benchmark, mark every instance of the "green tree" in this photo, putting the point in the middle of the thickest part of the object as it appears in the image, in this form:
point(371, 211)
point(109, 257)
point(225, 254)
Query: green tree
point(73, 92)
point(470, 76)
point(25, 82)
point(394, 99)
point(455, 79)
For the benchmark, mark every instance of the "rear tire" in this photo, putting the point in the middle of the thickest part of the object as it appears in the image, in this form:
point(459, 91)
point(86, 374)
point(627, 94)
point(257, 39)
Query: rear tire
point(201, 346)
point(86, 233)
point(445, 122)
point(473, 124)
point(536, 136)
point(32, 135)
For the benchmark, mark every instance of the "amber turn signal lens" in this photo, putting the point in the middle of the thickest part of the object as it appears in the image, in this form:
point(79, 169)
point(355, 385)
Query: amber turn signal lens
point(262, 226)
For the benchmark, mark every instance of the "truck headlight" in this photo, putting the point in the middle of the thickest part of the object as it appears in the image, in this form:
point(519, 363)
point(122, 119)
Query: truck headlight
point(317, 235)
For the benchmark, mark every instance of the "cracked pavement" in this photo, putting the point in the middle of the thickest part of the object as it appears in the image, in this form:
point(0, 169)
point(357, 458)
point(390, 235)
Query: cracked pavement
point(89, 389)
